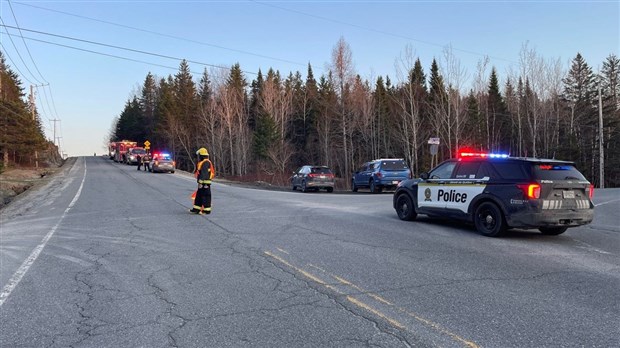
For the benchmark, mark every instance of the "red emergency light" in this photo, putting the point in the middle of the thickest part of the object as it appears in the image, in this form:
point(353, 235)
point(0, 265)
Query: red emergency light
point(482, 155)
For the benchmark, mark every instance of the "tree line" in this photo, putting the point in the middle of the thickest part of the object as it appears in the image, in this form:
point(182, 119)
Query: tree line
point(22, 140)
point(275, 123)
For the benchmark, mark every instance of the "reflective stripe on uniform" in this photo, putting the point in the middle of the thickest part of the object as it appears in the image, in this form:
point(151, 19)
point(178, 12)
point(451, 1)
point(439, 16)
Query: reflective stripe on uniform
point(207, 209)
point(197, 207)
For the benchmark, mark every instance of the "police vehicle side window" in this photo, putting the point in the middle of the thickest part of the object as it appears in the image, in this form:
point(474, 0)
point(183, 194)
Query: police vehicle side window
point(511, 170)
point(467, 170)
point(484, 171)
point(444, 171)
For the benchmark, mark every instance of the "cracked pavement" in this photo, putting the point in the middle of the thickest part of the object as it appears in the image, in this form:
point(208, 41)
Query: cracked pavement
point(129, 267)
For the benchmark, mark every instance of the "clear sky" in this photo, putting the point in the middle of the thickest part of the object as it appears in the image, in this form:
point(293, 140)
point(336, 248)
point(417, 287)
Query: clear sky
point(86, 90)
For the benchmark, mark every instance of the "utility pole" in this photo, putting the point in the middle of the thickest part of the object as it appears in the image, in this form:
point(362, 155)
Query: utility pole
point(58, 138)
point(54, 138)
point(36, 152)
point(601, 169)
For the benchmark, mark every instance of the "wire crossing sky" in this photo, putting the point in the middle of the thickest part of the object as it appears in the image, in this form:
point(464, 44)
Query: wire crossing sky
point(95, 55)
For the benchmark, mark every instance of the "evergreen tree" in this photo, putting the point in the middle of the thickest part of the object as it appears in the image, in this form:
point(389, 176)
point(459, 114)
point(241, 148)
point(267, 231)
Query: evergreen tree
point(580, 95)
point(21, 132)
point(498, 116)
point(148, 104)
point(129, 126)
point(256, 88)
point(610, 76)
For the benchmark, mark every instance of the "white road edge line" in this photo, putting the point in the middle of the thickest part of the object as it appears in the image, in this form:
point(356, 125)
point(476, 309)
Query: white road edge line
point(613, 200)
point(23, 269)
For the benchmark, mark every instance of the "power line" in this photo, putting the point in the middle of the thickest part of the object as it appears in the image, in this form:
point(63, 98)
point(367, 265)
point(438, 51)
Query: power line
point(116, 47)
point(24, 41)
point(166, 35)
point(376, 30)
point(6, 53)
point(20, 57)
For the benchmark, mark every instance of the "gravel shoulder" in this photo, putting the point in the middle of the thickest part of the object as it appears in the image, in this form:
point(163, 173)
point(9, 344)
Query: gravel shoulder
point(16, 183)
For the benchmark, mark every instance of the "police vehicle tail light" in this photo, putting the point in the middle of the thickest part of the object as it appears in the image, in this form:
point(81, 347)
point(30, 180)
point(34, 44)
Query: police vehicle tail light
point(379, 174)
point(532, 191)
point(591, 191)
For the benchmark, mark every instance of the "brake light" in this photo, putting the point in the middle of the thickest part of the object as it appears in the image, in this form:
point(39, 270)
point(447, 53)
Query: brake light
point(532, 191)
point(591, 191)
point(156, 162)
point(174, 163)
point(379, 174)
point(311, 175)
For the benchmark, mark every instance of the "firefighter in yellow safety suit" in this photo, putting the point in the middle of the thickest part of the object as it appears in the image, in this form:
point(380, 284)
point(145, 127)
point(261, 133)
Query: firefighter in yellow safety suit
point(204, 174)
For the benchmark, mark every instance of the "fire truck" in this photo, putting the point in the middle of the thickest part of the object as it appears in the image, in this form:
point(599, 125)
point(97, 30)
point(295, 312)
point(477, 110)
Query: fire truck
point(117, 149)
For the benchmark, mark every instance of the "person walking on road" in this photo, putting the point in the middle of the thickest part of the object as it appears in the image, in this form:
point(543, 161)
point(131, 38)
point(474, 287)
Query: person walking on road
point(204, 174)
point(139, 158)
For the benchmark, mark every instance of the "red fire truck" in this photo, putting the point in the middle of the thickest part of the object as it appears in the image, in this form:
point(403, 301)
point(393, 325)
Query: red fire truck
point(117, 149)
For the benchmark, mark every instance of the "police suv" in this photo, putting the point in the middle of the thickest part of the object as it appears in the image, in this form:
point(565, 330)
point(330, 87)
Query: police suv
point(498, 192)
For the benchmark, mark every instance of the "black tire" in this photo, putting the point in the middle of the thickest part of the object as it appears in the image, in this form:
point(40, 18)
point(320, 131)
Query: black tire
point(172, 172)
point(552, 231)
point(330, 189)
point(303, 187)
point(373, 187)
point(405, 208)
point(353, 186)
point(489, 220)
point(293, 187)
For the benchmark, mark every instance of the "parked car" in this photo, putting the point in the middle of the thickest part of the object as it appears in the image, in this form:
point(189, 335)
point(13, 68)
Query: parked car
point(313, 177)
point(161, 163)
point(131, 156)
point(380, 174)
point(496, 192)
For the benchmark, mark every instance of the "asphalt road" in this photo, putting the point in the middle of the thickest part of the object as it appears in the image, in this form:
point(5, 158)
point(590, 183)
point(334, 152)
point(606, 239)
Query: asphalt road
point(106, 256)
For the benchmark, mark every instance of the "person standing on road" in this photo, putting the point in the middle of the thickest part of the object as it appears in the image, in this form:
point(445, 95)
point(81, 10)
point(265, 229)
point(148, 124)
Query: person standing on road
point(146, 160)
point(139, 158)
point(204, 173)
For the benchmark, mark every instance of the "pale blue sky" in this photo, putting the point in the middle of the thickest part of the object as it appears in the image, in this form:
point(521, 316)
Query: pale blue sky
point(86, 91)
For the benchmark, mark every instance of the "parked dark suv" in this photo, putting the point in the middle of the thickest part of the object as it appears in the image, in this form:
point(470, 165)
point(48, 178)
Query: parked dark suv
point(380, 174)
point(500, 192)
point(313, 178)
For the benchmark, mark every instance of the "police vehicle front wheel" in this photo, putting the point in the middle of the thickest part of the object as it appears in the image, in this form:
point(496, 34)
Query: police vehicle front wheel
point(405, 208)
point(489, 220)
point(552, 231)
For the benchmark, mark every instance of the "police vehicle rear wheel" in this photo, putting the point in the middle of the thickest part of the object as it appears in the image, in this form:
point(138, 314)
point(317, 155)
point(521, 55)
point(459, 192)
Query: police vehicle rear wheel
point(330, 189)
point(489, 220)
point(552, 231)
point(353, 186)
point(405, 208)
point(303, 187)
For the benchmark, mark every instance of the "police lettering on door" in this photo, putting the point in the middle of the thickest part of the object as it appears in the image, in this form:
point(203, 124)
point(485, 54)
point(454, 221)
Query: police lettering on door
point(450, 196)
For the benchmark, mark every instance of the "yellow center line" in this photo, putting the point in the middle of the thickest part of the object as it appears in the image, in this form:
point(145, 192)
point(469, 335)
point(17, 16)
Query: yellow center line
point(361, 304)
point(365, 306)
point(284, 251)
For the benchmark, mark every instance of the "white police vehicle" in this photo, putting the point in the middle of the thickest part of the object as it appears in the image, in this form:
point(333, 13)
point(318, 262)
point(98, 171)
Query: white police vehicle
point(497, 192)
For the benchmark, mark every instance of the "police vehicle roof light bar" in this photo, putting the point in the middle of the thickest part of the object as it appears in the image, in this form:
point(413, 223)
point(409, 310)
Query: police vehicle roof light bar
point(483, 155)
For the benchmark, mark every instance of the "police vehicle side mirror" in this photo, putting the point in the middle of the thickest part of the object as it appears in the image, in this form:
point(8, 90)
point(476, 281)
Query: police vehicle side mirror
point(424, 176)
